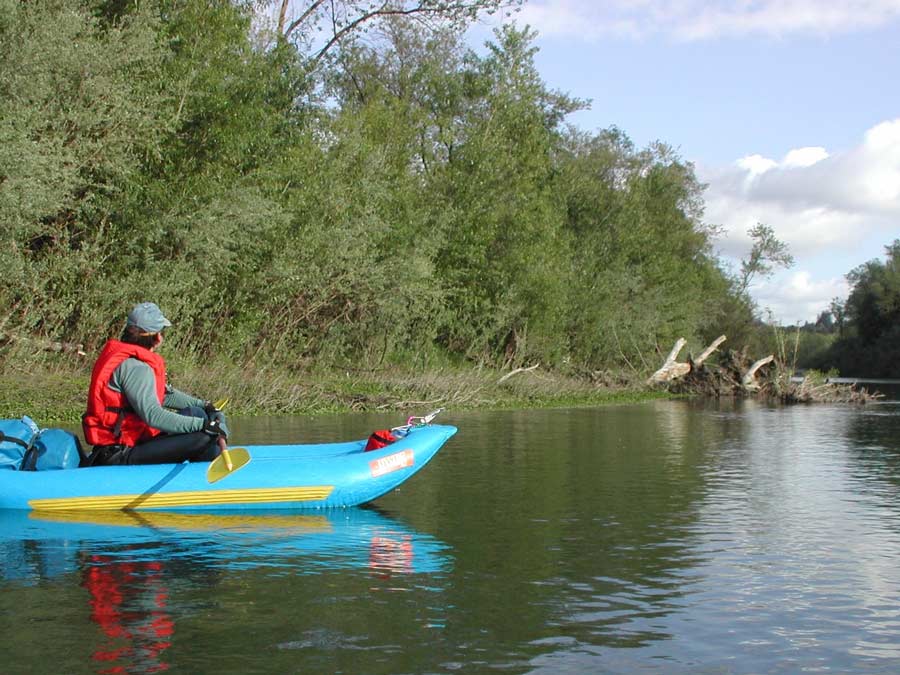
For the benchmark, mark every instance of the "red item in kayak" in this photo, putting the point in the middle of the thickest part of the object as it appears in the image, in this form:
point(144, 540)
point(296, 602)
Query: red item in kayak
point(380, 439)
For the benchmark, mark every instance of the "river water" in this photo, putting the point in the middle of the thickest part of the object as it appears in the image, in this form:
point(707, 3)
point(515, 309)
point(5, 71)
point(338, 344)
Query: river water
point(665, 537)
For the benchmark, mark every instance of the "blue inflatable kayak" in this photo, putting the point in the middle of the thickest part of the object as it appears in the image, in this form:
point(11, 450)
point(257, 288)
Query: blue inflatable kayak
point(264, 477)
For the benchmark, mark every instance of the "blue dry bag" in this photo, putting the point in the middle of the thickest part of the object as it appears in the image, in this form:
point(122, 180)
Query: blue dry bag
point(16, 438)
point(53, 449)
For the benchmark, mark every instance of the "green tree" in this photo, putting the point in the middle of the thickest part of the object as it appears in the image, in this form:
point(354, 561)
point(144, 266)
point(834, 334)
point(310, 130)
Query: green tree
point(644, 273)
point(825, 322)
point(210, 205)
point(767, 253)
point(403, 196)
point(503, 260)
point(869, 321)
point(838, 310)
point(873, 305)
point(79, 114)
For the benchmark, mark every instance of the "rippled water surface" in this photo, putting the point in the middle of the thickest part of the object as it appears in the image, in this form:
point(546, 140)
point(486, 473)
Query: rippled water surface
point(668, 537)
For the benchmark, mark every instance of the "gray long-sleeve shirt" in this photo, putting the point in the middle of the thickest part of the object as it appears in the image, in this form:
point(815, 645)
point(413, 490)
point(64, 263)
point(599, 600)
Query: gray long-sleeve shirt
point(137, 381)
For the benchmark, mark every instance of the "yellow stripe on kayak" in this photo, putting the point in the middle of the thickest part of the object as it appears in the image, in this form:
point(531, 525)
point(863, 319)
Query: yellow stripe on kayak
point(193, 498)
point(243, 522)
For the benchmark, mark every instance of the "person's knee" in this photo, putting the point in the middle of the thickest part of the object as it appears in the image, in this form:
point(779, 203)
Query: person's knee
point(208, 453)
point(200, 447)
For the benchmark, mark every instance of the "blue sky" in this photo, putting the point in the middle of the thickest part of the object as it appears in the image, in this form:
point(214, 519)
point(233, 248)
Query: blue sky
point(789, 110)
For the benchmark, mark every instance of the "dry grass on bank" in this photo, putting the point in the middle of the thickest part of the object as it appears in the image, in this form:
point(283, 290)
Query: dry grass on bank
point(276, 391)
point(53, 388)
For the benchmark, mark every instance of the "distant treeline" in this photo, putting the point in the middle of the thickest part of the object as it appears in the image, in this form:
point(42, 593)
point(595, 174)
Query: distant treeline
point(399, 198)
point(860, 336)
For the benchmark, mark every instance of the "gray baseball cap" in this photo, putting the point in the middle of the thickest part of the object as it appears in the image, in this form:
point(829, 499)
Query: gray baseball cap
point(148, 317)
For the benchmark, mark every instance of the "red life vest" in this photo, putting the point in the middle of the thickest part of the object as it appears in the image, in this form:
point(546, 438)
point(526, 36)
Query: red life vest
point(109, 419)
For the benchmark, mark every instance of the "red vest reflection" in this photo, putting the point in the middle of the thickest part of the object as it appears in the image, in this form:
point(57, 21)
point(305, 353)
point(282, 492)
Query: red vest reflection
point(390, 555)
point(128, 602)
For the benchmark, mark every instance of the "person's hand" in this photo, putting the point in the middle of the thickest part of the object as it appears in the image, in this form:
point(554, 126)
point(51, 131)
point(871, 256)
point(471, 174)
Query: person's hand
point(214, 429)
point(214, 412)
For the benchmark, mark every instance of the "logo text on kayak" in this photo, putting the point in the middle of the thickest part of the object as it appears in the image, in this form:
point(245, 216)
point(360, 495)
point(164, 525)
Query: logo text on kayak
point(395, 462)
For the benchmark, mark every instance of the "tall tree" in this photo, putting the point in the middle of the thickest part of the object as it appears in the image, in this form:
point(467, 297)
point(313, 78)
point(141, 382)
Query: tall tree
point(874, 302)
point(503, 264)
point(869, 321)
point(838, 310)
point(643, 267)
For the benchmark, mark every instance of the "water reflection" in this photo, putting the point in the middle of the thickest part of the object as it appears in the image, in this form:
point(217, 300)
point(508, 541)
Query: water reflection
point(730, 534)
point(796, 543)
point(574, 527)
point(129, 603)
point(38, 546)
point(138, 571)
point(672, 537)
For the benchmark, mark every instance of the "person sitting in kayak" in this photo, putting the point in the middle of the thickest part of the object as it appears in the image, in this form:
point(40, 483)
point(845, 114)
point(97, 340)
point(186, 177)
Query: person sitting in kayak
point(131, 416)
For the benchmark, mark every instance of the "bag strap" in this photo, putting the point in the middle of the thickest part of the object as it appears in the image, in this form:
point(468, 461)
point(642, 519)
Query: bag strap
point(117, 428)
point(18, 441)
point(28, 445)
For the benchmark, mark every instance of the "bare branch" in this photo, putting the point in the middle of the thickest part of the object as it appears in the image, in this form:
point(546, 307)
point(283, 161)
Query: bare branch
point(353, 25)
point(343, 22)
point(303, 17)
point(47, 345)
point(516, 372)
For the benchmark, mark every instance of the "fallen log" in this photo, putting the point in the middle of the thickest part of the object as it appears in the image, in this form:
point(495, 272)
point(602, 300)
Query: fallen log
point(709, 350)
point(735, 376)
point(748, 379)
point(672, 369)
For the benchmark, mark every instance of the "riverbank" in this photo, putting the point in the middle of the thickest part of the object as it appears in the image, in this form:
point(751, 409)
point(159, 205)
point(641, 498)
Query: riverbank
point(53, 390)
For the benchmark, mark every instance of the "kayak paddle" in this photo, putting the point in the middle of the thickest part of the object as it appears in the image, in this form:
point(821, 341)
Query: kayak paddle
point(227, 463)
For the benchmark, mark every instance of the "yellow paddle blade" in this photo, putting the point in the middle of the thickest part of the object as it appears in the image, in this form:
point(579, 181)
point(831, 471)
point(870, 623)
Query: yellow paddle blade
point(219, 468)
point(221, 403)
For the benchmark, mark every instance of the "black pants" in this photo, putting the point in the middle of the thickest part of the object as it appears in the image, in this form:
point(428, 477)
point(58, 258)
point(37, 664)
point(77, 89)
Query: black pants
point(171, 449)
point(197, 446)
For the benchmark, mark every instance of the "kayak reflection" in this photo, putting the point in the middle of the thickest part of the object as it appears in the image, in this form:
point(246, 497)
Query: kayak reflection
point(36, 545)
point(137, 571)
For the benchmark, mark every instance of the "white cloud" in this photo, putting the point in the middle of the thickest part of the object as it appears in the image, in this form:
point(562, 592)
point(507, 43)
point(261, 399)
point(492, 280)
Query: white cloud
point(819, 204)
point(756, 165)
point(798, 298)
point(880, 157)
point(812, 200)
point(692, 20)
point(804, 157)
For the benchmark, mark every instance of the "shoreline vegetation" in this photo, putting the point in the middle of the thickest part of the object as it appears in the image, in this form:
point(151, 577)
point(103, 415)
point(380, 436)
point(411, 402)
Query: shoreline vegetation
point(52, 389)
